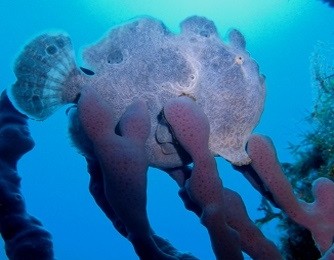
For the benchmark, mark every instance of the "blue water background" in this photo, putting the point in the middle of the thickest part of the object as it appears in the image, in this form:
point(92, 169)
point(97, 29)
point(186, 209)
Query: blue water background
point(280, 35)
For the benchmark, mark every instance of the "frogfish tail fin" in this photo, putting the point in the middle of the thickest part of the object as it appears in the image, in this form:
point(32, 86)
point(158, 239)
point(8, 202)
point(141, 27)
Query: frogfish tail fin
point(47, 76)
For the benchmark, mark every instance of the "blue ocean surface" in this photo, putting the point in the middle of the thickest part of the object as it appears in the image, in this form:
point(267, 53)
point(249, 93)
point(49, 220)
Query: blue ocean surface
point(281, 36)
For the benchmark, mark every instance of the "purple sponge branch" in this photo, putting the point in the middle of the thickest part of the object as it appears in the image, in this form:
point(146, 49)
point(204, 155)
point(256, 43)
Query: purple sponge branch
point(318, 216)
point(98, 182)
point(97, 190)
point(191, 128)
point(24, 236)
point(252, 241)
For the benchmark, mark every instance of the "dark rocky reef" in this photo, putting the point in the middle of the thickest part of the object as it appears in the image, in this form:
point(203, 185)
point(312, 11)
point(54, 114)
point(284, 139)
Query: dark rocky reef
point(24, 236)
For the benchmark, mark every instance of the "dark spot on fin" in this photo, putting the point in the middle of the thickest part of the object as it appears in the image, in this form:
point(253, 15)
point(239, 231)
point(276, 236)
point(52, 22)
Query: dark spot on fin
point(87, 71)
point(51, 49)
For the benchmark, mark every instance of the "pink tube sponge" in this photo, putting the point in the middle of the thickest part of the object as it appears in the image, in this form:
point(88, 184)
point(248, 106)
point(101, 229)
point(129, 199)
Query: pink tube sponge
point(318, 216)
point(321, 213)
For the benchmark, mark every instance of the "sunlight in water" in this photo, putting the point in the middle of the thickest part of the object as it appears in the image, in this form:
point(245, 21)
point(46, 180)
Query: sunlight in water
point(250, 16)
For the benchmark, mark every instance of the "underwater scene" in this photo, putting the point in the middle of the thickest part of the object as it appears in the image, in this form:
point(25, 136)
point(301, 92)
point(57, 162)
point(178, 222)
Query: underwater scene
point(167, 129)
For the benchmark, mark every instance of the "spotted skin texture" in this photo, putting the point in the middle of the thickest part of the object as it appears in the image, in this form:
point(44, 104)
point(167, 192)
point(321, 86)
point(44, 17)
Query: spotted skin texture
point(143, 60)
